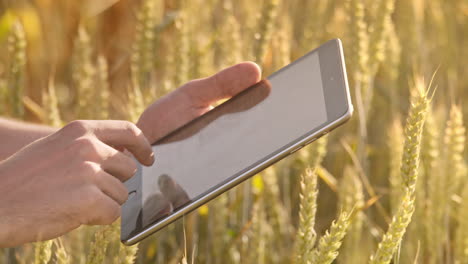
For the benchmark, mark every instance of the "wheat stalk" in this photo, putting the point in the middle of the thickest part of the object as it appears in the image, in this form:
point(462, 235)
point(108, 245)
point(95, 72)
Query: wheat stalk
point(328, 246)
point(143, 49)
point(413, 134)
point(454, 142)
point(231, 37)
point(101, 109)
point(60, 252)
point(392, 55)
point(351, 197)
point(42, 252)
point(306, 234)
point(445, 180)
point(281, 223)
point(395, 145)
point(182, 49)
point(3, 97)
point(265, 29)
point(378, 33)
point(313, 29)
point(258, 238)
point(83, 74)
point(217, 218)
point(392, 239)
point(50, 106)
point(409, 172)
point(461, 239)
point(407, 23)
point(17, 68)
point(314, 153)
point(99, 245)
point(282, 44)
point(430, 156)
point(276, 214)
point(136, 104)
point(126, 254)
point(359, 50)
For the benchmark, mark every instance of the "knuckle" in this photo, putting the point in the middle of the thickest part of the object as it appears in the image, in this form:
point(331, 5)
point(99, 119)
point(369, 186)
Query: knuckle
point(89, 171)
point(85, 147)
point(133, 167)
point(132, 129)
point(90, 198)
point(76, 128)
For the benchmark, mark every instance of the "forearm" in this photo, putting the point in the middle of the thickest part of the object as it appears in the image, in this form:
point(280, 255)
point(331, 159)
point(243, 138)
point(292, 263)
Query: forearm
point(14, 135)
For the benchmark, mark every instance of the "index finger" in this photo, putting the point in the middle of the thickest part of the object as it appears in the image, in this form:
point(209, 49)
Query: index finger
point(126, 134)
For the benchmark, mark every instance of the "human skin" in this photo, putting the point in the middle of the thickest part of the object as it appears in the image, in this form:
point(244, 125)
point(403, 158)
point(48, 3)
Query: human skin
point(53, 181)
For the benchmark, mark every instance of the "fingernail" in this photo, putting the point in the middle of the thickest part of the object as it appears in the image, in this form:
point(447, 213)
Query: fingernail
point(152, 157)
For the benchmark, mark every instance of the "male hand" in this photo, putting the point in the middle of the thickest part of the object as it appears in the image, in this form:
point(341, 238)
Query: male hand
point(194, 99)
point(70, 178)
point(74, 176)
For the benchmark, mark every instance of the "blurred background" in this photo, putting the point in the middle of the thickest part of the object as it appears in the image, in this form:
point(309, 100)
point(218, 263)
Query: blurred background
point(108, 59)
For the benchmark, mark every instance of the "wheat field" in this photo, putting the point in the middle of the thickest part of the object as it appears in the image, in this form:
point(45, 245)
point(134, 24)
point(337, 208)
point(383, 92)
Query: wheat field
point(387, 187)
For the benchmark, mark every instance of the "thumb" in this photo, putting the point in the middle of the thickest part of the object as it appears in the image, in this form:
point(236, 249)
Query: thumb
point(223, 84)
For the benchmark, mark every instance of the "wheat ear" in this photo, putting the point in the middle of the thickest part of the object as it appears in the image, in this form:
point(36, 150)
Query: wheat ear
point(99, 245)
point(143, 49)
point(409, 172)
point(43, 252)
point(306, 234)
point(351, 197)
point(60, 253)
point(264, 34)
point(16, 75)
point(328, 246)
point(50, 105)
point(83, 73)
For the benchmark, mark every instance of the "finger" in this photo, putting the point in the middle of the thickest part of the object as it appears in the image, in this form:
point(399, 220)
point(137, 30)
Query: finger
point(195, 98)
point(224, 84)
point(127, 134)
point(104, 210)
point(172, 191)
point(112, 187)
point(115, 162)
point(155, 207)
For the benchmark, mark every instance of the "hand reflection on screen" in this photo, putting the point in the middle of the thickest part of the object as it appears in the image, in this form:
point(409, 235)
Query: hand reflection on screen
point(168, 195)
point(172, 191)
point(239, 103)
point(156, 206)
point(160, 204)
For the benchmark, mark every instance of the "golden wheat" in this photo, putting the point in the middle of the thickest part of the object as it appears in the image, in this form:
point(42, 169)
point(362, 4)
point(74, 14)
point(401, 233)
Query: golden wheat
point(265, 29)
point(328, 246)
point(409, 173)
point(351, 197)
point(395, 142)
point(143, 50)
point(99, 245)
point(16, 74)
point(43, 252)
point(166, 43)
point(306, 234)
point(83, 73)
point(51, 107)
